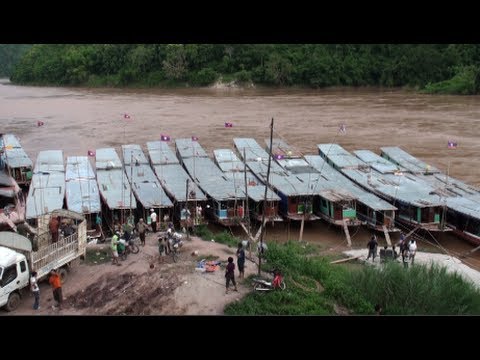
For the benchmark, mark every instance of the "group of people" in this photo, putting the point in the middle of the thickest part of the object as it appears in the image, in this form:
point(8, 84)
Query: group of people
point(56, 284)
point(408, 249)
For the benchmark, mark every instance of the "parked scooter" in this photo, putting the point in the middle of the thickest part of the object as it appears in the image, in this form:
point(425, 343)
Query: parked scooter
point(276, 283)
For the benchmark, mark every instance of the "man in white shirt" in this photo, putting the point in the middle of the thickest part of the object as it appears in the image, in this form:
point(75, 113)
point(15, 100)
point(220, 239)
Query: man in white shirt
point(35, 290)
point(153, 217)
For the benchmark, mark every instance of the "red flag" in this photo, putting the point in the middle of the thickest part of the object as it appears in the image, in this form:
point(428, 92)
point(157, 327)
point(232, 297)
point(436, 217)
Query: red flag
point(194, 138)
point(228, 124)
point(40, 123)
point(126, 116)
point(452, 145)
point(164, 137)
point(91, 153)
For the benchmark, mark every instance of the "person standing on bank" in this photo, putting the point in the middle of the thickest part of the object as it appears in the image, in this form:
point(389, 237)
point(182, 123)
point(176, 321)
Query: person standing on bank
point(141, 228)
point(230, 274)
point(372, 247)
point(241, 261)
point(153, 216)
point(56, 284)
point(35, 290)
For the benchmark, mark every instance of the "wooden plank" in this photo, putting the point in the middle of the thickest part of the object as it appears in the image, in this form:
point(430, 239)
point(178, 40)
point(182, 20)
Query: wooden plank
point(345, 260)
point(347, 233)
point(387, 235)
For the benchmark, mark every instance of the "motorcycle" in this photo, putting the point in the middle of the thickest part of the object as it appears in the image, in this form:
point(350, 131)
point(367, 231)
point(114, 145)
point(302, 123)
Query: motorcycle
point(276, 283)
point(129, 248)
point(170, 242)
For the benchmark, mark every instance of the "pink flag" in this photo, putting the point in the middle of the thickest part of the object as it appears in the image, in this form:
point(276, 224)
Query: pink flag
point(91, 153)
point(452, 145)
point(279, 156)
point(164, 137)
point(228, 124)
point(126, 116)
point(40, 123)
point(194, 138)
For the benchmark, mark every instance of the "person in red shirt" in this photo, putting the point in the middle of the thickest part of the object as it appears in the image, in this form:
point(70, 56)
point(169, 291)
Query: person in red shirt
point(230, 274)
point(56, 284)
point(53, 226)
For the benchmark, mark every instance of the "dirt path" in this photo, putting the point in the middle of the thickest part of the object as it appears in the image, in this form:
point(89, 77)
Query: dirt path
point(137, 288)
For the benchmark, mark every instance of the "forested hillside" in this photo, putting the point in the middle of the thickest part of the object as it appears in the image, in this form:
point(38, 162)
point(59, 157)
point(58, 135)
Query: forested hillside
point(435, 68)
point(9, 56)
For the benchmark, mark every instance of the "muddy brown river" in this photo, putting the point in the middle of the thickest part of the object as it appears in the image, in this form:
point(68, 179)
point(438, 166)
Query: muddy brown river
point(79, 119)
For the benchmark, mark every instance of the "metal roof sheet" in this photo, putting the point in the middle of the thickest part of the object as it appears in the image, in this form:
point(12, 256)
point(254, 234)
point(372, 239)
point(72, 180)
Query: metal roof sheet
point(363, 196)
point(407, 161)
point(47, 188)
point(115, 189)
point(107, 158)
point(233, 169)
point(339, 156)
point(253, 151)
point(281, 148)
point(133, 153)
point(173, 178)
point(161, 154)
point(81, 189)
point(187, 148)
point(377, 162)
point(82, 196)
point(14, 154)
point(48, 161)
point(78, 167)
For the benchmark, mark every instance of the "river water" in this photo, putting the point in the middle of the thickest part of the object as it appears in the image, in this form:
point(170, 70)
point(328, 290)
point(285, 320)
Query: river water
point(80, 119)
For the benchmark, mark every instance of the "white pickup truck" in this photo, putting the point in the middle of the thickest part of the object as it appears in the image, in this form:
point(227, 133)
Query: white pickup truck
point(18, 260)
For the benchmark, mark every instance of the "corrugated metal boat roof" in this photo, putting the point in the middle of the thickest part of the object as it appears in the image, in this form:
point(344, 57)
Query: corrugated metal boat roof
point(407, 161)
point(233, 169)
point(367, 198)
point(14, 155)
point(173, 178)
point(213, 181)
point(107, 158)
point(377, 162)
point(81, 189)
point(49, 160)
point(227, 160)
point(253, 151)
point(339, 156)
point(47, 188)
point(188, 148)
point(112, 181)
point(161, 154)
point(403, 187)
point(144, 183)
point(133, 153)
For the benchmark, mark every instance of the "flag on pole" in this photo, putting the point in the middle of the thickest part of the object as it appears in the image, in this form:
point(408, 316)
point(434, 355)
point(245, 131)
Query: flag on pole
point(228, 124)
point(91, 153)
point(452, 145)
point(194, 138)
point(40, 123)
point(126, 116)
point(279, 156)
point(342, 129)
point(164, 137)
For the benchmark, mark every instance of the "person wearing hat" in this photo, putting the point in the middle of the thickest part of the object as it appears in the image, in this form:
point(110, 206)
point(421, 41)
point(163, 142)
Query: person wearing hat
point(153, 216)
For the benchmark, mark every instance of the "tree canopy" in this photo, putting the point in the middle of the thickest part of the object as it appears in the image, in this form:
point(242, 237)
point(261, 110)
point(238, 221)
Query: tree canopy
point(422, 66)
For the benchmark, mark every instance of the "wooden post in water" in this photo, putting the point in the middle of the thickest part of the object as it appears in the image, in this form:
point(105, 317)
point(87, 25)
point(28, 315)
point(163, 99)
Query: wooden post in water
point(265, 200)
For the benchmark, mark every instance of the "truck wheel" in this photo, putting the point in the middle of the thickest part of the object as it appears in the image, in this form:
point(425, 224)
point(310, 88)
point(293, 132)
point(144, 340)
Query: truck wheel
point(63, 275)
point(13, 301)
